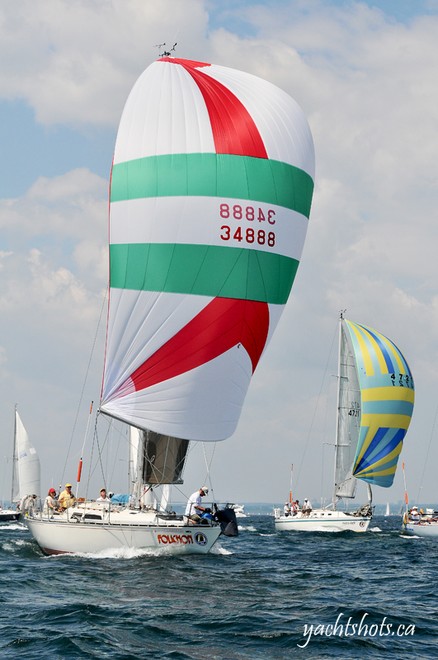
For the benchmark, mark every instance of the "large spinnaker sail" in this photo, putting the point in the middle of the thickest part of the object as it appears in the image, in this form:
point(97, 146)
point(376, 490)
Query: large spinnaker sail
point(387, 401)
point(210, 197)
point(26, 479)
point(348, 418)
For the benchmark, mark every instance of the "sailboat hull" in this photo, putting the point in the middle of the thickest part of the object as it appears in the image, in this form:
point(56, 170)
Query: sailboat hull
point(7, 515)
point(123, 530)
point(321, 520)
point(427, 529)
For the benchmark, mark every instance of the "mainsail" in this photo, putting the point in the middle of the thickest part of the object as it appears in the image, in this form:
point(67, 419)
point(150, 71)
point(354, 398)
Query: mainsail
point(376, 400)
point(210, 197)
point(26, 464)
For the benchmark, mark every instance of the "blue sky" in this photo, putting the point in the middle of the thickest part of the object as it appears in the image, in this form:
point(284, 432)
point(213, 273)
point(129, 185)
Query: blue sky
point(365, 75)
point(46, 150)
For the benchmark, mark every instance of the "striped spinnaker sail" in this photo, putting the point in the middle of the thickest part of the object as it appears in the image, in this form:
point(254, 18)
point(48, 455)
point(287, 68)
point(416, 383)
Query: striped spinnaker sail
point(387, 401)
point(210, 197)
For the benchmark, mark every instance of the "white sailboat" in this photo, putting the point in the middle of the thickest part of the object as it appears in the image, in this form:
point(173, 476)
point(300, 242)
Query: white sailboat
point(210, 195)
point(239, 509)
point(418, 521)
point(387, 510)
point(8, 514)
point(25, 472)
point(374, 409)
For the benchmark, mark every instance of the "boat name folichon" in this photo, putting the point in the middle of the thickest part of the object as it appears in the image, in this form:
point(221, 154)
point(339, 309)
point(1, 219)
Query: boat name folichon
point(183, 539)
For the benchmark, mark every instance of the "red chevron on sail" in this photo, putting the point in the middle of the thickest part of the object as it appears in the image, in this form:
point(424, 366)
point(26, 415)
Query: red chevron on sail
point(222, 324)
point(234, 130)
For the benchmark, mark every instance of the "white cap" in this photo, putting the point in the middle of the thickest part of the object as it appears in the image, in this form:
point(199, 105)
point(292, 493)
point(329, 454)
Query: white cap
point(204, 489)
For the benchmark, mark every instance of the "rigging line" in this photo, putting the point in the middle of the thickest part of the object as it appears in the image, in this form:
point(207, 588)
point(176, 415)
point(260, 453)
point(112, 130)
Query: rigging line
point(99, 461)
point(90, 467)
point(114, 445)
point(312, 421)
point(427, 454)
point(83, 386)
point(208, 465)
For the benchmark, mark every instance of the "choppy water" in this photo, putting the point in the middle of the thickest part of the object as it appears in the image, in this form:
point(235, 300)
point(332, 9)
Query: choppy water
point(250, 599)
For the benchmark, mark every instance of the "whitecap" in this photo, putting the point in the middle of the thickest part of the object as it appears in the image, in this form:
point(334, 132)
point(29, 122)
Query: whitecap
point(14, 526)
point(118, 553)
point(217, 549)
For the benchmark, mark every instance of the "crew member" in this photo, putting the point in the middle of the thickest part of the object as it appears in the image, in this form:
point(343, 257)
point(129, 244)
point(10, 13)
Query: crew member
point(194, 504)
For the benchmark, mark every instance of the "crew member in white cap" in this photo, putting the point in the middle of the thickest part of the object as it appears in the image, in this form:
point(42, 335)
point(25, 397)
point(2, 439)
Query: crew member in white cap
point(66, 499)
point(307, 507)
point(194, 504)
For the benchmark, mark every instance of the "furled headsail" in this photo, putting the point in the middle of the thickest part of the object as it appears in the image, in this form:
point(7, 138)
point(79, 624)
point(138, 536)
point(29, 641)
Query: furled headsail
point(210, 197)
point(380, 404)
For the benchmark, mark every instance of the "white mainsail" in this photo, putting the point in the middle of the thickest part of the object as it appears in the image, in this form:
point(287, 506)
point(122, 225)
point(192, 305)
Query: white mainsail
point(348, 419)
point(26, 478)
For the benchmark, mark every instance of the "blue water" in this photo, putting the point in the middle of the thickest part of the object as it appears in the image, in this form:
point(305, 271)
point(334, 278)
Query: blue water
point(250, 599)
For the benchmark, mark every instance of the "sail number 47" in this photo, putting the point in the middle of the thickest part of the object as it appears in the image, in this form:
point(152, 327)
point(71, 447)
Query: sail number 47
point(247, 234)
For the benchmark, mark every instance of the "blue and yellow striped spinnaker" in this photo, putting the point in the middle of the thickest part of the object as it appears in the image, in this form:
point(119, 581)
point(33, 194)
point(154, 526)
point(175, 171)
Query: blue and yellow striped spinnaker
point(387, 402)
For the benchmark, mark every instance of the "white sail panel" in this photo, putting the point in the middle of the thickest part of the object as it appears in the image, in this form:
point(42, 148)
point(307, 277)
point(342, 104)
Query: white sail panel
point(288, 138)
point(152, 122)
point(349, 414)
point(155, 315)
point(201, 404)
point(290, 227)
point(27, 481)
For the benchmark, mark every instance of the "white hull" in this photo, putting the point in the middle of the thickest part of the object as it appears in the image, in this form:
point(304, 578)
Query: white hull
point(77, 532)
point(321, 520)
point(239, 510)
point(7, 515)
point(426, 529)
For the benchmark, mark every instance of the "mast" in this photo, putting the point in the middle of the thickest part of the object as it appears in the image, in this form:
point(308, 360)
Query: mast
point(338, 403)
point(370, 494)
point(14, 455)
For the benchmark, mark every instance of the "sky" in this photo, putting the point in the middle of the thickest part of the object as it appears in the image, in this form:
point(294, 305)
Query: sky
point(365, 75)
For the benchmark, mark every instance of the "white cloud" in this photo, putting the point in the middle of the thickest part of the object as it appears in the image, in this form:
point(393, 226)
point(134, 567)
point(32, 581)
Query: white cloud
point(74, 63)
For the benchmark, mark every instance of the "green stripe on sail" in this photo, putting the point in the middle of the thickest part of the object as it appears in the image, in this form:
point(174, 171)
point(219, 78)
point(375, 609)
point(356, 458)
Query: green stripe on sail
point(213, 175)
point(202, 270)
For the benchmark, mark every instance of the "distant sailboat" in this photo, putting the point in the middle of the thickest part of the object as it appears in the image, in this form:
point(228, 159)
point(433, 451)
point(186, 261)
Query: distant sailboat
point(239, 509)
point(417, 521)
point(8, 515)
point(374, 410)
point(210, 197)
point(387, 510)
point(25, 471)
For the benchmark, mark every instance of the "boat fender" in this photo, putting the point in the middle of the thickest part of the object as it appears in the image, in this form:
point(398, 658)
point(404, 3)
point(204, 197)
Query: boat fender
point(227, 520)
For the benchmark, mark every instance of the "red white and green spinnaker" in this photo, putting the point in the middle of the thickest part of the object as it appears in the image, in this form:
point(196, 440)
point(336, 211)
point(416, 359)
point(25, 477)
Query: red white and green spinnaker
point(210, 197)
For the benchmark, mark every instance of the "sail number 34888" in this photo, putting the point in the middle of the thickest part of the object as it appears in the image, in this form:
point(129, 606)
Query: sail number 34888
point(247, 234)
